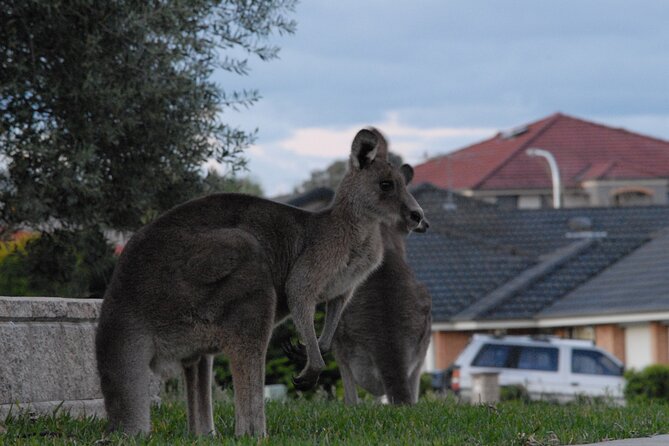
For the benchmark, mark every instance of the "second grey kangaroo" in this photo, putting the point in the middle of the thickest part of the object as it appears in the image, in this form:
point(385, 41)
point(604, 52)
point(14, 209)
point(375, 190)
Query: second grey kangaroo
point(383, 335)
point(216, 274)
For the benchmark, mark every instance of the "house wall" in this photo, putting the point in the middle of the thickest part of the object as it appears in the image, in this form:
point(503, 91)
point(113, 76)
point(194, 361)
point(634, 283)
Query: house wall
point(638, 350)
point(447, 346)
point(611, 337)
point(659, 342)
point(575, 200)
point(602, 193)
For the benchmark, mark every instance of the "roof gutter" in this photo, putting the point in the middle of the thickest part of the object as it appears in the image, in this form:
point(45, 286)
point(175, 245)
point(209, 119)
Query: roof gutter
point(567, 321)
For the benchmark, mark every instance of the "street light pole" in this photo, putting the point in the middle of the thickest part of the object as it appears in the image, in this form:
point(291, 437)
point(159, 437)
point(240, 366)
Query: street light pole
point(555, 173)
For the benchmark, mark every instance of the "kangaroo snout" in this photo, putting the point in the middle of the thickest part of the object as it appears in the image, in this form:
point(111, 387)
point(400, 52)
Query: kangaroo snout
point(423, 225)
point(416, 220)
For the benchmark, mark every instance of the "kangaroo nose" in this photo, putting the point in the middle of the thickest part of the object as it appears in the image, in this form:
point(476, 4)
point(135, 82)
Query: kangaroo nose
point(423, 225)
point(416, 216)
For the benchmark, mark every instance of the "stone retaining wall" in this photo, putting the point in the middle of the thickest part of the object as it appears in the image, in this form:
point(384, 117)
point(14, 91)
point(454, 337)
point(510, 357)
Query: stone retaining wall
point(47, 355)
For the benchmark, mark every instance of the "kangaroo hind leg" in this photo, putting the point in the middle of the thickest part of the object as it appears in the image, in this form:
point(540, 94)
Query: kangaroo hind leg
point(198, 377)
point(246, 350)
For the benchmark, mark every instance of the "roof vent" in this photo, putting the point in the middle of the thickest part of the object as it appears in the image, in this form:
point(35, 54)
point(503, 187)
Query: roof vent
point(516, 131)
point(581, 228)
point(580, 224)
point(450, 206)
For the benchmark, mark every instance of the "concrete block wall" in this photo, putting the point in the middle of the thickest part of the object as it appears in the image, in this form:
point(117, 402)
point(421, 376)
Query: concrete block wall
point(47, 355)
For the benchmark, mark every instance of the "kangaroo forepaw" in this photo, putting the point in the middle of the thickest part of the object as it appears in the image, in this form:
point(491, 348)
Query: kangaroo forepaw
point(295, 352)
point(306, 381)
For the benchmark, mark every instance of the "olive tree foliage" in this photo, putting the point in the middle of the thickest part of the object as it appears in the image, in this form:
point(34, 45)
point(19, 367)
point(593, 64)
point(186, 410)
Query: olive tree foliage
point(214, 182)
point(108, 112)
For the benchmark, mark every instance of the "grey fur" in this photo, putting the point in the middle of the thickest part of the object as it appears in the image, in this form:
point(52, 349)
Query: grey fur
point(383, 335)
point(216, 274)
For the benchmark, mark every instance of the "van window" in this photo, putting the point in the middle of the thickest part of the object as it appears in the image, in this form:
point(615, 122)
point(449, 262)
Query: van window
point(493, 355)
point(538, 358)
point(592, 362)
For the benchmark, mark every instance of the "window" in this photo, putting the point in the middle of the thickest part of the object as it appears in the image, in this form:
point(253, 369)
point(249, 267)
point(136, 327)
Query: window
point(529, 202)
point(538, 358)
point(517, 357)
point(633, 198)
point(493, 355)
point(593, 363)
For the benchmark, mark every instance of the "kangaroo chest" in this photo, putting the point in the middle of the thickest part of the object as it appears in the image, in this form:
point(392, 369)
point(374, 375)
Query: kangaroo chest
point(363, 259)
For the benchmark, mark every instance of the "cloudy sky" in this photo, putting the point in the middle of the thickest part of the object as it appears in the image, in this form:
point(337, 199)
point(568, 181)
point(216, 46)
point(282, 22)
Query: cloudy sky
point(435, 75)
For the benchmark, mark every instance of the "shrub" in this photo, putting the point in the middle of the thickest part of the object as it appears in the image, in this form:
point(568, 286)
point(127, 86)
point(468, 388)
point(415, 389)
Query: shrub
point(61, 263)
point(18, 243)
point(514, 392)
point(651, 383)
point(425, 384)
point(14, 280)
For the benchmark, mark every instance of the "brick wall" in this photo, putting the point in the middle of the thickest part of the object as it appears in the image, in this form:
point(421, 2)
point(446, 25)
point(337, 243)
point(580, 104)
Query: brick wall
point(447, 346)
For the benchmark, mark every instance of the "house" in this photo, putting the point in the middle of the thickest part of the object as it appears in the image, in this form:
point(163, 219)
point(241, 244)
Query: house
point(592, 273)
point(312, 200)
point(598, 166)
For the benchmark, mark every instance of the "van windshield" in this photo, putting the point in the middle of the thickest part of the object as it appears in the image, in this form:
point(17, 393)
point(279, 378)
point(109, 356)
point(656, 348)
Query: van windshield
point(592, 362)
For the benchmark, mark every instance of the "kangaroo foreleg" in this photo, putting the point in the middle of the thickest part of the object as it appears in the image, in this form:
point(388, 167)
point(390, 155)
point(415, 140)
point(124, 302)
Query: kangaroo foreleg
point(333, 311)
point(350, 389)
point(303, 318)
point(414, 380)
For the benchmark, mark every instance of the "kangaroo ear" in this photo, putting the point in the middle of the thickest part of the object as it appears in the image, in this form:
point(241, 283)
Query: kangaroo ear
point(407, 172)
point(382, 149)
point(363, 149)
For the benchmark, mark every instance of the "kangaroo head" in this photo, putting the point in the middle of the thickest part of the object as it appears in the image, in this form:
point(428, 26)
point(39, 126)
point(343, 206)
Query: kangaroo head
point(373, 187)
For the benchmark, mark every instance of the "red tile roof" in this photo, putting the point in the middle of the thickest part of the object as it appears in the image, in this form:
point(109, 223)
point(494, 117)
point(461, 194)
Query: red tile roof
point(583, 151)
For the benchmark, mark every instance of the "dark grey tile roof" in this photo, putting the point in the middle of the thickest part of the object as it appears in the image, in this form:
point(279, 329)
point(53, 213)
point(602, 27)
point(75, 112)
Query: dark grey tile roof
point(476, 247)
point(458, 271)
point(554, 285)
point(637, 283)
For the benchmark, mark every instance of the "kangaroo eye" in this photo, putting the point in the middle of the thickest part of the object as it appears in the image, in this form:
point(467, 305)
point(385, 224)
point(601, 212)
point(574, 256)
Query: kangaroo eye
point(386, 185)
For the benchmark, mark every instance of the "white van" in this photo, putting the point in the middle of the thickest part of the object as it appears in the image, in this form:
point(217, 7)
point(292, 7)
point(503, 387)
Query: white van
point(548, 368)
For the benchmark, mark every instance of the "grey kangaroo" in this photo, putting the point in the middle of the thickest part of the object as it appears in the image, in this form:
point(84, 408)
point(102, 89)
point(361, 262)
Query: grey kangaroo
point(216, 274)
point(384, 332)
point(383, 335)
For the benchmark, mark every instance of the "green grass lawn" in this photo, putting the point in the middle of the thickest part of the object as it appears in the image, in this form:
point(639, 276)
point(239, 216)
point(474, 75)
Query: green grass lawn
point(442, 422)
